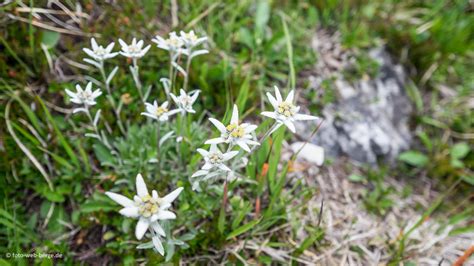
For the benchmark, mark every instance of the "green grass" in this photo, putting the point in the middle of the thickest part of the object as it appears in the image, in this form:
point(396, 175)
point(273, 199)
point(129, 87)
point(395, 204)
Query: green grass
point(54, 178)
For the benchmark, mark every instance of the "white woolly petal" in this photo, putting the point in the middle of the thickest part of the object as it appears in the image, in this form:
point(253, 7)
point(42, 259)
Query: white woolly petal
point(122, 200)
point(250, 128)
point(158, 229)
point(142, 227)
point(130, 212)
point(94, 44)
point(272, 100)
point(278, 94)
point(235, 115)
point(290, 125)
point(203, 152)
point(149, 115)
point(200, 173)
point(207, 166)
point(158, 245)
point(304, 117)
point(166, 215)
point(229, 155)
point(173, 195)
point(154, 194)
point(243, 145)
point(215, 141)
point(224, 167)
point(142, 191)
point(290, 97)
point(218, 125)
point(214, 148)
point(269, 114)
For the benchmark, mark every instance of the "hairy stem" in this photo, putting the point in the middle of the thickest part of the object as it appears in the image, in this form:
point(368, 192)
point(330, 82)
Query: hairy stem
point(111, 98)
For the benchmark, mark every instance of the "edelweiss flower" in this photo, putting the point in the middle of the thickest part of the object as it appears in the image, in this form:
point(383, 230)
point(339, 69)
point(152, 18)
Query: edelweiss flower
point(86, 97)
point(134, 50)
point(172, 44)
point(234, 133)
point(214, 160)
point(148, 209)
point(160, 113)
point(190, 39)
point(285, 111)
point(98, 52)
point(185, 101)
point(214, 165)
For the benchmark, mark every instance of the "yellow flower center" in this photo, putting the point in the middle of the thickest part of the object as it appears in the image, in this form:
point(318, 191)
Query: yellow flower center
point(216, 158)
point(149, 206)
point(133, 49)
point(85, 95)
point(190, 36)
point(100, 51)
point(160, 111)
point(175, 42)
point(286, 109)
point(235, 130)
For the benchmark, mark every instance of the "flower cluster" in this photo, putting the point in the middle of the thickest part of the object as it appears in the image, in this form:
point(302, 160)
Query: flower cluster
point(243, 135)
point(228, 151)
point(148, 209)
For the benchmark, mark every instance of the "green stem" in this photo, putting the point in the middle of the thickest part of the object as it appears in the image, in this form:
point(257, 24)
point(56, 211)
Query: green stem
point(136, 79)
point(188, 66)
point(111, 99)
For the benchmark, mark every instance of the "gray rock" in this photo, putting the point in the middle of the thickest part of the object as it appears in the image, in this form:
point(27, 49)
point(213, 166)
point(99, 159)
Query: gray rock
point(369, 121)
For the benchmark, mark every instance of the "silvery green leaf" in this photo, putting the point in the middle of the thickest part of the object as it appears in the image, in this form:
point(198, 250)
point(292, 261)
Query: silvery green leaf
point(97, 117)
point(92, 135)
point(146, 245)
point(176, 242)
point(179, 68)
point(147, 93)
point(165, 137)
point(153, 160)
point(187, 236)
point(166, 84)
point(176, 55)
point(77, 110)
point(198, 52)
point(92, 62)
point(93, 80)
point(169, 252)
point(112, 74)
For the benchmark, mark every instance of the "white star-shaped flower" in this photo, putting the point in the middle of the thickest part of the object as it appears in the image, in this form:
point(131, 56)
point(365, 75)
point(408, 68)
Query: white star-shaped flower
point(147, 209)
point(98, 52)
point(172, 44)
point(185, 101)
point(214, 160)
point(134, 50)
point(190, 39)
point(85, 97)
point(160, 113)
point(234, 133)
point(285, 111)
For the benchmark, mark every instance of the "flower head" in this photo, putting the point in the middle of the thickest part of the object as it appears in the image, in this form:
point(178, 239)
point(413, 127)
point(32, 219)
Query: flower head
point(86, 97)
point(214, 163)
point(190, 39)
point(148, 209)
point(234, 133)
point(185, 101)
point(172, 44)
point(286, 112)
point(98, 52)
point(160, 113)
point(134, 50)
